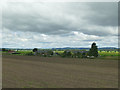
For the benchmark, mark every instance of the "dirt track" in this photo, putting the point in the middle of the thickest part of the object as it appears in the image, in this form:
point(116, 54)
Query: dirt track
point(43, 72)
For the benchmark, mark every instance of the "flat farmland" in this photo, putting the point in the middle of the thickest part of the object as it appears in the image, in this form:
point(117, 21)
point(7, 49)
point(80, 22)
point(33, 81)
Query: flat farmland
point(56, 72)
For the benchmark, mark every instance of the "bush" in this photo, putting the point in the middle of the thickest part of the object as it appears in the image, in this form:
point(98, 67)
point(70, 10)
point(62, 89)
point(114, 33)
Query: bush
point(45, 55)
point(50, 52)
point(66, 54)
point(29, 54)
point(83, 55)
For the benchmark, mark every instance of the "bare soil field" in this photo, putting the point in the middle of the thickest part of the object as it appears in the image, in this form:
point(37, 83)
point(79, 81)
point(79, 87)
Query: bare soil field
point(55, 72)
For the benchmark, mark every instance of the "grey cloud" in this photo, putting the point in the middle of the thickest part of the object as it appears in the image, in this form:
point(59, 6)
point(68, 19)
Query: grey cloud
point(60, 18)
point(104, 13)
point(98, 33)
point(92, 40)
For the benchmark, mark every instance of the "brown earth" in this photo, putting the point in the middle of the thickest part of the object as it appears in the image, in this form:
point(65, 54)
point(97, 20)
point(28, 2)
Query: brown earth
point(55, 72)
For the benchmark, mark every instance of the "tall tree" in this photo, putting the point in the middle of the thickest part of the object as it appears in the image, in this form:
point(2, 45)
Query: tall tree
point(93, 50)
point(35, 51)
point(3, 49)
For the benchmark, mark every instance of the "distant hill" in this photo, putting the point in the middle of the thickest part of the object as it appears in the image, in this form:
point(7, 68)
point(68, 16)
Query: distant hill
point(85, 48)
point(64, 48)
point(108, 48)
point(70, 48)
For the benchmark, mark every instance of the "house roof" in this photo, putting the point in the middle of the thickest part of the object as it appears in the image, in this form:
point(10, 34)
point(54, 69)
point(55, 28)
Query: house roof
point(80, 51)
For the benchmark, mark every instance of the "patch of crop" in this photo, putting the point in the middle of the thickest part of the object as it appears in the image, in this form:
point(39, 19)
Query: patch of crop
point(110, 53)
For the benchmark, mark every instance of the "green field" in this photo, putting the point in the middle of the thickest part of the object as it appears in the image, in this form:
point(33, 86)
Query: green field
point(102, 53)
point(22, 52)
point(110, 53)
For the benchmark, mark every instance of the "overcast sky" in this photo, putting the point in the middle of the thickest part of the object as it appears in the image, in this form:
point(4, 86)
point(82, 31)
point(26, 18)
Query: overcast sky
point(60, 24)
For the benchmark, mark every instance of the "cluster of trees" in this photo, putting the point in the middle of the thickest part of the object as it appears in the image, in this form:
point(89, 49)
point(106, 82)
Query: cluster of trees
point(43, 53)
point(92, 52)
point(74, 55)
point(3, 49)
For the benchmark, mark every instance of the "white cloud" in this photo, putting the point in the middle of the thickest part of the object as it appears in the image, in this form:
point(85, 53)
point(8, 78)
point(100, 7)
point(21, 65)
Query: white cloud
point(59, 24)
point(31, 40)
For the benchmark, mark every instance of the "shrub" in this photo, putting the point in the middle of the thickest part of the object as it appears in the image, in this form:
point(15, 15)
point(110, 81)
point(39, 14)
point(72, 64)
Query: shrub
point(29, 54)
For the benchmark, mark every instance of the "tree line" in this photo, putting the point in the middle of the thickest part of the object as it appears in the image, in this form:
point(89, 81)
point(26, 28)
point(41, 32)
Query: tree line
point(92, 52)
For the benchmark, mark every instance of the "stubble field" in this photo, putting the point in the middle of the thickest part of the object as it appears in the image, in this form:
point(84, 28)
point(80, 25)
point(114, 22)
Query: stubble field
point(55, 72)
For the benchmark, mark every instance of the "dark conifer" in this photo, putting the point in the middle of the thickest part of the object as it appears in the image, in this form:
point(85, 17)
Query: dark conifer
point(94, 50)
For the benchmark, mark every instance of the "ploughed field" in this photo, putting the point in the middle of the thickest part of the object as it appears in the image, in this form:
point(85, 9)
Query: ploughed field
point(55, 72)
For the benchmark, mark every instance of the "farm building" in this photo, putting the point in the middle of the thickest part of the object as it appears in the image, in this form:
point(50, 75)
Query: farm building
point(13, 52)
point(43, 52)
